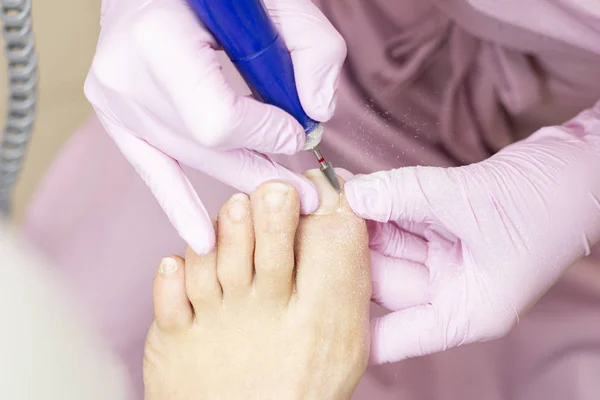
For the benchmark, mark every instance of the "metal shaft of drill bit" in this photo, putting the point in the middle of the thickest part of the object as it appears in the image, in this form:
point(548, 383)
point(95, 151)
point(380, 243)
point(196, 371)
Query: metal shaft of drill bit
point(327, 170)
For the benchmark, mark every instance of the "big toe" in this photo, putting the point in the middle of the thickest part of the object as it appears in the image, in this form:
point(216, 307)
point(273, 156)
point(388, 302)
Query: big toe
point(332, 245)
point(172, 310)
point(275, 210)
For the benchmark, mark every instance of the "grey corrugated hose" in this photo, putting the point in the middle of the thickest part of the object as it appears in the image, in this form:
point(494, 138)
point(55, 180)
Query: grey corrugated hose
point(22, 85)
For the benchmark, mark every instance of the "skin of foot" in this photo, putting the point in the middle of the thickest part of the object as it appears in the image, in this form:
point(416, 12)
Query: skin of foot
point(279, 310)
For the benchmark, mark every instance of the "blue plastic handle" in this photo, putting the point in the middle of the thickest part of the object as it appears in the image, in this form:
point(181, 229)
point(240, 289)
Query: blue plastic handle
point(251, 40)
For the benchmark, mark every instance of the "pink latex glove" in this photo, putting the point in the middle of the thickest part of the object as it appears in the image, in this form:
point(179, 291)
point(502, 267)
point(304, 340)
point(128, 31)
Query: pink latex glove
point(460, 253)
point(158, 89)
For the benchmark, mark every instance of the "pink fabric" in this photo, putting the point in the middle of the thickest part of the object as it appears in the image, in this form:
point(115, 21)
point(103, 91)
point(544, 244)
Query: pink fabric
point(428, 83)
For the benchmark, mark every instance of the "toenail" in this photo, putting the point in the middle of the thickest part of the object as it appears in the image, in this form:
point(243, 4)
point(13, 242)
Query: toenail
point(238, 207)
point(168, 266)
point(275, 195)
point(330, 201)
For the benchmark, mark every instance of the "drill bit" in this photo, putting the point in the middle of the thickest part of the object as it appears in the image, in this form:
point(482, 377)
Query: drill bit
point(327, 170)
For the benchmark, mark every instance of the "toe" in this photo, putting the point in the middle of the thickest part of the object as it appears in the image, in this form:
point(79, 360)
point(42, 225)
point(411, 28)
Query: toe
point(275, 210)
point(330, 202)
point(332, 251)
point(172, 309)
point(202, 286)
point(236, 247)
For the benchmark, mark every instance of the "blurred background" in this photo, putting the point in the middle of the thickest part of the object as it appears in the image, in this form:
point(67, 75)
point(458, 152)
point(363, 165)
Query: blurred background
point(66, 32)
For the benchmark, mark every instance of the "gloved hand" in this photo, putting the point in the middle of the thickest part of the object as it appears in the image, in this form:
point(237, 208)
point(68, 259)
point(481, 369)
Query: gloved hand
point(460, 253)
point(158, 89)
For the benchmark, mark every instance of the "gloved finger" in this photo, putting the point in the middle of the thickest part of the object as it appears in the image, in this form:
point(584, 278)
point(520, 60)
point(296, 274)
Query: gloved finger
point(407, 333)
point(391, 241)
point(396, 195)
point(318, 52)
point(398, 284)
point(180, 56)
point(170, 186)
point(244, 170)
point(417, 229)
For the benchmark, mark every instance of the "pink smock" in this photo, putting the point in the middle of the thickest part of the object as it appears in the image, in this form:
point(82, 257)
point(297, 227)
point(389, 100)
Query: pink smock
point(427, 82)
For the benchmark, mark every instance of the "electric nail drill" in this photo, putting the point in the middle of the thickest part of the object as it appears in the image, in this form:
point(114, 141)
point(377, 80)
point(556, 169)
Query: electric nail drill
point(251, 41)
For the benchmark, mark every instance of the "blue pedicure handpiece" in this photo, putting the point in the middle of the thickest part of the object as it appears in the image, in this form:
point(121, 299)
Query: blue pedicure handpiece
point(251, 41)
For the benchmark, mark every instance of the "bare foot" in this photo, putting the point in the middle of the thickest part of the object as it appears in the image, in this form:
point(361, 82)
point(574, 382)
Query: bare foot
point(278, 311)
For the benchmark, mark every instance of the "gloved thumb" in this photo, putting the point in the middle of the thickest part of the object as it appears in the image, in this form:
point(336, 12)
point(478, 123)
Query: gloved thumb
point(407, 194)
point(170, 186)
point(407, 333)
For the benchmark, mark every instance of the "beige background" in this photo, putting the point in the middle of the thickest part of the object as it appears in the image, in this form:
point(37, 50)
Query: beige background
point(66, 32)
